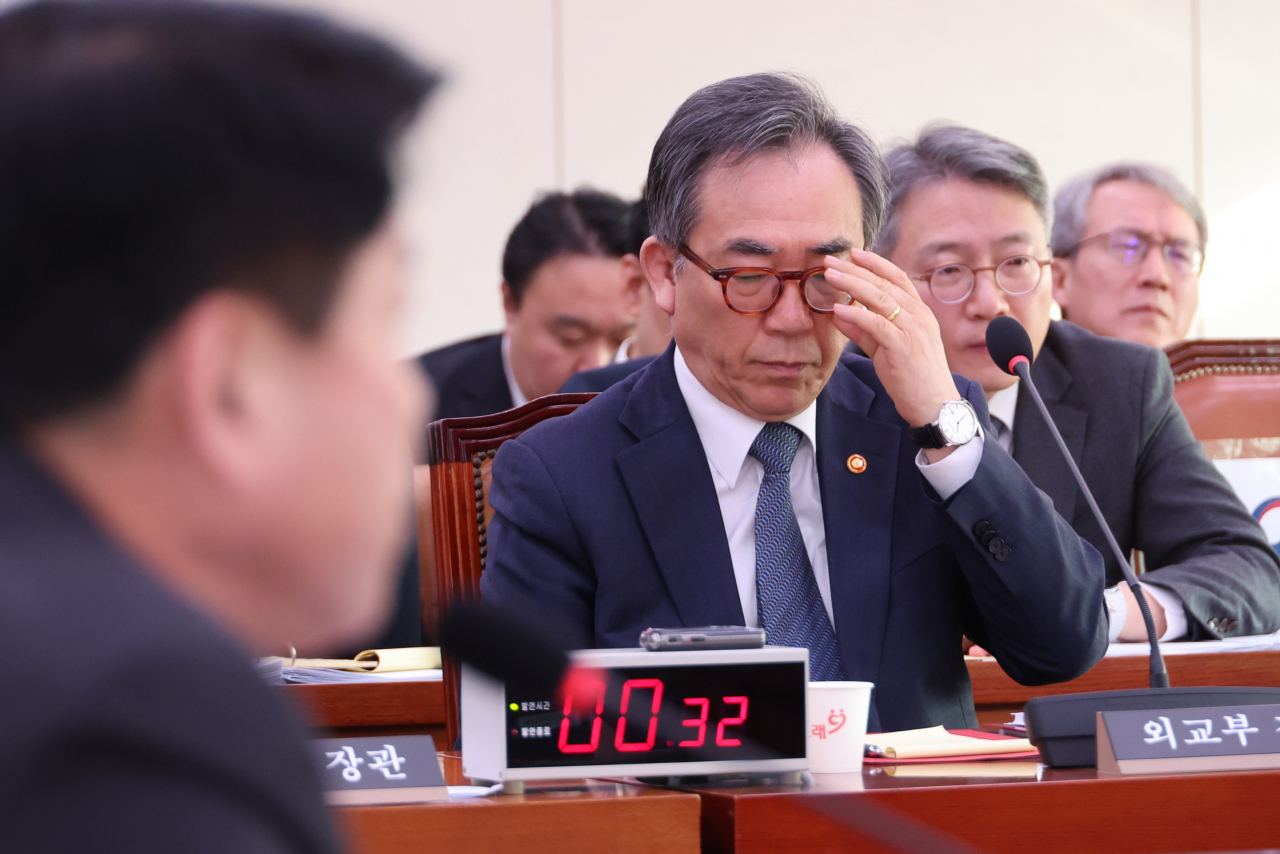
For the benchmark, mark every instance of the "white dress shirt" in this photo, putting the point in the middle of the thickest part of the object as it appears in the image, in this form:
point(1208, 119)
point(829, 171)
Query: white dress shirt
point(1004, 405)
point(624, 351)
point(727, 436)
point(517, 396)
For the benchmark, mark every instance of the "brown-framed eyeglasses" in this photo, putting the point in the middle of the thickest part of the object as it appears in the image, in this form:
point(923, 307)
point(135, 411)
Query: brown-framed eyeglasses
point(952, 283)
point(755, 290)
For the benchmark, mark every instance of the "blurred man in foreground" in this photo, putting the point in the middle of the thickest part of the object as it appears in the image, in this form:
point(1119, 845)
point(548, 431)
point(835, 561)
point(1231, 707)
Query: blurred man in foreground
point(753, 475)
point(562, 291)
point(1128, 243)
point(653, 327)
point(203, 433)
point(966, 219)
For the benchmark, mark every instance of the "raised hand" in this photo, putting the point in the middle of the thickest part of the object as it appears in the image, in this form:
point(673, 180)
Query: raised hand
point(893, 326)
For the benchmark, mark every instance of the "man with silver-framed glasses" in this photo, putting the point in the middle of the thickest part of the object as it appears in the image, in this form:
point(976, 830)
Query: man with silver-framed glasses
point(1128, 242)
point(754, 475)
point(967, 220)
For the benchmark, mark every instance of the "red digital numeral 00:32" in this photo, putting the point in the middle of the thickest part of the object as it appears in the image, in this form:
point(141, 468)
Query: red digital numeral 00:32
point(620, 739)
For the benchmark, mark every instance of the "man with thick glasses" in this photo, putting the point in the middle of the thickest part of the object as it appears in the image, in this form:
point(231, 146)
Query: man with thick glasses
point(754, 475)
point(1128, 240)
point(966, 219)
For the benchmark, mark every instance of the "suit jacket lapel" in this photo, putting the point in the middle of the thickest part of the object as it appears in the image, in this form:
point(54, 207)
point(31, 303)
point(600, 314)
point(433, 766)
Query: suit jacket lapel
point(857, 512)
point(1033, 445)
point(669, 480)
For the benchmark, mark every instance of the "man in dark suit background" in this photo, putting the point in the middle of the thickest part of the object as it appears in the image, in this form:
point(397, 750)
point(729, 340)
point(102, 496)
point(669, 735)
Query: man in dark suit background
point(752, 475)
point(653, 327)
point(203, 435)
point(562, 291)
point(968, 220)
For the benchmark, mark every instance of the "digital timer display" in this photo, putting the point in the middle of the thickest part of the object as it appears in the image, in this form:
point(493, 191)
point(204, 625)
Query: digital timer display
point(646, 715)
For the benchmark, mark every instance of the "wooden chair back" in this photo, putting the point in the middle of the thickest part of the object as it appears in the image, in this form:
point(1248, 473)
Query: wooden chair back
point(460, 454)
point(1228, 389)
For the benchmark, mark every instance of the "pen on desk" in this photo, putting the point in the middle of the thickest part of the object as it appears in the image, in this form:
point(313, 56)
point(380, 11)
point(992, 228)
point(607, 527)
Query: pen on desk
point(870, 751)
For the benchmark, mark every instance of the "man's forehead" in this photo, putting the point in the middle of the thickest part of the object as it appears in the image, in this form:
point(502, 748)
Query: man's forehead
point(776, 199)
point(1133, 204)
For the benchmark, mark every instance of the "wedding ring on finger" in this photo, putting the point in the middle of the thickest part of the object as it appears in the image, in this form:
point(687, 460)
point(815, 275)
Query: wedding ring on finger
point(893, 314)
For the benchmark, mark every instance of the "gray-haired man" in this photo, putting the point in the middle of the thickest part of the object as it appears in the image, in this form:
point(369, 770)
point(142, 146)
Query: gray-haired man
point(1106, 277)
point(752, 475)
point(967, 219)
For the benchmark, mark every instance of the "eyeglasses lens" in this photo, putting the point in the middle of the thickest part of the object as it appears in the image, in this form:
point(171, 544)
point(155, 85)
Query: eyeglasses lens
point(1018, 275)
point(822, 295)
point(751, 291)
point(952, 283)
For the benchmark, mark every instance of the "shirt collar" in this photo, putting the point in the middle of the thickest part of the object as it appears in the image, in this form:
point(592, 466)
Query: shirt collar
point(1004, 404)
point(517, 396)
point(726, 433)
point(624, 351)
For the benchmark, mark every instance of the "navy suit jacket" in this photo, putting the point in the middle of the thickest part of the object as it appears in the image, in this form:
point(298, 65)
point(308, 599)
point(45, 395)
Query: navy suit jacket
point(130, 721)
point(468, 377)
point(599, 379)
point(606, 523)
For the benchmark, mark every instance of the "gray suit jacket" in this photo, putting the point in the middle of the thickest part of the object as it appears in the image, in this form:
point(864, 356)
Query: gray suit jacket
point(1113, 403)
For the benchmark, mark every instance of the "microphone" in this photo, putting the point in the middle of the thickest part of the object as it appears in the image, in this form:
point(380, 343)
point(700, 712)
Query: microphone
point(1010, 348)
point(1064, 727)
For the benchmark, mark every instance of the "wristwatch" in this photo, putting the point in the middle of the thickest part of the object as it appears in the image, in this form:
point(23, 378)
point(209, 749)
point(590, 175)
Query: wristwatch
point(957, 424)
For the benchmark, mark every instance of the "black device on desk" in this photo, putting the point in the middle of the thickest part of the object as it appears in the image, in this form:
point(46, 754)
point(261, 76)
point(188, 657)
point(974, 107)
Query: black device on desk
point(702, 637)
point(1064, 728)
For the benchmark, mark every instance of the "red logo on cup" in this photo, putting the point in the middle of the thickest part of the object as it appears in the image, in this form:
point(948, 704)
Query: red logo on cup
point(836, 720)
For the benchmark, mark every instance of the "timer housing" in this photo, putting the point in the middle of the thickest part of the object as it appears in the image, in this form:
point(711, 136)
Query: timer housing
point(647, 714)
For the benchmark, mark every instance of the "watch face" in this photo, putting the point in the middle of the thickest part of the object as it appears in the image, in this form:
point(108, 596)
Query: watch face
point(957, 422)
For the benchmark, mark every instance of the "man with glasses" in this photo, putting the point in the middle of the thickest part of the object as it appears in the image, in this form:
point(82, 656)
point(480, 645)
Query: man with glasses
point(754, 475)
point(1129, 242)
point(967, 220)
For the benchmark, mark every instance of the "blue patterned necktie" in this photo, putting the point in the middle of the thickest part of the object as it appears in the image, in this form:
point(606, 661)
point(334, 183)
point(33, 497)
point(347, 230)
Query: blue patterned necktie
point(790, 607)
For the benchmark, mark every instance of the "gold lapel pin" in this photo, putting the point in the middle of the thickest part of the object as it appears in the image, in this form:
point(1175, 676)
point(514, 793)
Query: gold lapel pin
point(856, 463)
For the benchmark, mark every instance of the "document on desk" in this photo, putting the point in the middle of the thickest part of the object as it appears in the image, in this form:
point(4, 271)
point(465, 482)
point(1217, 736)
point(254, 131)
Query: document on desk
point(1245, 643)
point(937, 743)
point(407, 664)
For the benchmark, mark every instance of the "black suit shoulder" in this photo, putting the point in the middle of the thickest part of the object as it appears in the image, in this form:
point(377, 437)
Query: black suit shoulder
point(468, 377)
point(141, 726)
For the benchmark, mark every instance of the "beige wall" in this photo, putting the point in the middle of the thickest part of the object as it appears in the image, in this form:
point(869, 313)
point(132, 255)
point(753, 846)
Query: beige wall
point(559, 93)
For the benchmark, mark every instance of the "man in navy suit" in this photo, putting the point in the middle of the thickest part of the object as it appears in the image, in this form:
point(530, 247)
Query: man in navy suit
point(754, 475)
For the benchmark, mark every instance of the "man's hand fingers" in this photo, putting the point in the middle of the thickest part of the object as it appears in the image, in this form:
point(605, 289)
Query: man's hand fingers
point(885, 269)
point(871, 291)
point(868, 329)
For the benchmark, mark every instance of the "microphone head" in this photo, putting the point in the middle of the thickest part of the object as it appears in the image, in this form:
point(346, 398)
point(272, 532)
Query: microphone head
point(1008, 344)
point(504, 647)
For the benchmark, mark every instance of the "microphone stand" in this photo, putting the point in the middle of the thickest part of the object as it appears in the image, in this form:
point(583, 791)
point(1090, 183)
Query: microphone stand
point(1159, 676)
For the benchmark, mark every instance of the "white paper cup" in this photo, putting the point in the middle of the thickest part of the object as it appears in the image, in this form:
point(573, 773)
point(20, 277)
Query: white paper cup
point(837, 725)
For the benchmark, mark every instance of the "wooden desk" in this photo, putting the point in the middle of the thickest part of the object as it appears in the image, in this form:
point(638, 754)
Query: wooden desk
point(374, 708)
point(553, 818)
point(1066, 812)
point(996, 695)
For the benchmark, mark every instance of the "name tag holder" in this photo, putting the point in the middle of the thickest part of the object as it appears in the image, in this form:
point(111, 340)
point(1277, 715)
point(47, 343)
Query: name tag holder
point(1188, 741)
point(403, 769)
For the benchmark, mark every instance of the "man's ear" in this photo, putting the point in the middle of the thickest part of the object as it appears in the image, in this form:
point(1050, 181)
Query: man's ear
point(1061, 272)
point(658, 262)
point(229, 371)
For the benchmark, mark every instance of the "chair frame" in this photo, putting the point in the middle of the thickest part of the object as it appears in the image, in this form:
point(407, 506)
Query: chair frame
point(457, 450)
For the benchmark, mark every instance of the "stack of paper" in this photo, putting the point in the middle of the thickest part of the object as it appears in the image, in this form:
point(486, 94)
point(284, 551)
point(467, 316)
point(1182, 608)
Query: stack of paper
point(938, 743)
point(417, 663)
